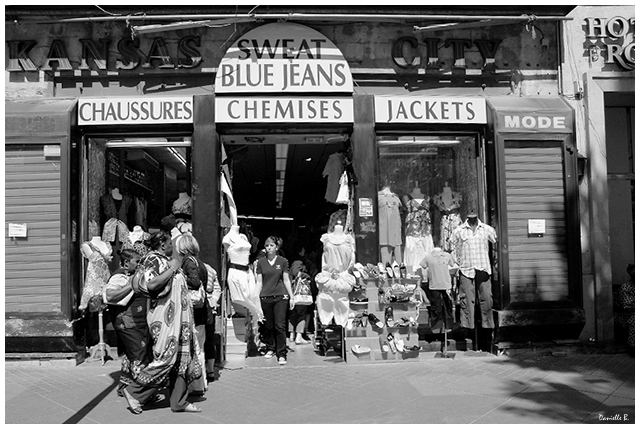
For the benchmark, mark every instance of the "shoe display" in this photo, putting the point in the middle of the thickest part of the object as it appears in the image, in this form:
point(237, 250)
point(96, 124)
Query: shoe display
point(388, 317)
point(360, 319)
point(361, 269)
point(375, 321)
point(382, 270)
point(282, 361)
point(399, 343)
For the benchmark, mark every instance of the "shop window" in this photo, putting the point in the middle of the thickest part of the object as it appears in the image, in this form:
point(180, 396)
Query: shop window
point(136, 186)
point(427, 186)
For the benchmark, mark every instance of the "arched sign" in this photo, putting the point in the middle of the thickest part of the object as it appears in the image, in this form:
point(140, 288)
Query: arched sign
point(283, 58)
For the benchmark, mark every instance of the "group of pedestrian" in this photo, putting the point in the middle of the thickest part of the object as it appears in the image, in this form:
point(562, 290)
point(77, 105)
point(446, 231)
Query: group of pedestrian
point(163, 335)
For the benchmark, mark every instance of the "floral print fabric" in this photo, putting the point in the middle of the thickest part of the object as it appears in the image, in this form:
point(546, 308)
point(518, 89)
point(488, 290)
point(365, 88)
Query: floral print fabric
point(96, 277)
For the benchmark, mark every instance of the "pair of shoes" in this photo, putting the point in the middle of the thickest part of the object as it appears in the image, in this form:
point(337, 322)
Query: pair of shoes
point(133, 403)
point(388, 317)
point(403, 270)
point(360, 320)
point(158, 397)
point(190, 408)
point(382, 270)
point(269, 354)
point(412, 348)
point(282, 360)
point(392, 343)
point(389, 270)
point(396, 269)
point(375, 321)
point(359, 350)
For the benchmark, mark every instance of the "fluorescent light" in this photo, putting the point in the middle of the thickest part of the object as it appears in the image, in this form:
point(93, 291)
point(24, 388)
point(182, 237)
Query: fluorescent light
point(178, 155)
point(264, 217)
point(281, 164)
point(418, 142)
point(146, 143)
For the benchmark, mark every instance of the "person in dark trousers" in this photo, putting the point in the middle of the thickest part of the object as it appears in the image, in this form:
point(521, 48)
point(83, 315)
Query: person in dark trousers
point(273, 281)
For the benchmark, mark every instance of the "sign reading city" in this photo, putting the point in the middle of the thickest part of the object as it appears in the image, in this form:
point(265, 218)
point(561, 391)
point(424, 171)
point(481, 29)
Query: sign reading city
point(280, 58)
point(138, 110)
point(449, 110)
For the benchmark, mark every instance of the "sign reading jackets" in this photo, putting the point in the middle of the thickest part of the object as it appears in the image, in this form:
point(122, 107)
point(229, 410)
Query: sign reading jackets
point(283, 73)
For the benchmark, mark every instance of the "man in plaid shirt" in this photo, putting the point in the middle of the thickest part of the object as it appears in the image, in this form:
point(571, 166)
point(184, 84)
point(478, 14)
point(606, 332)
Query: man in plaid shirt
point(471, 251)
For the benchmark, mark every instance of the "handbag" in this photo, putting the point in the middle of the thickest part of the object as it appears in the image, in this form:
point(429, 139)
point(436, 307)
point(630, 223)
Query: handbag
point(199, 295)
point(302, 291)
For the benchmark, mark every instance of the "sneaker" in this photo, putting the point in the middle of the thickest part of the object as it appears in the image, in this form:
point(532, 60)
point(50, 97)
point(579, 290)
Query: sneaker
point(269, 354)
point(282, 361)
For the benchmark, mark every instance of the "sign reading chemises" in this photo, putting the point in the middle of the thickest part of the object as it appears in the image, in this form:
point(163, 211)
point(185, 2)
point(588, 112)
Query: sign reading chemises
point(295, 66)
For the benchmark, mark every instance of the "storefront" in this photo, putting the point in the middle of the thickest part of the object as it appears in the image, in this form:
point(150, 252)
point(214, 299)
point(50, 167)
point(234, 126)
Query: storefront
point(599, 78)
point(282, 99)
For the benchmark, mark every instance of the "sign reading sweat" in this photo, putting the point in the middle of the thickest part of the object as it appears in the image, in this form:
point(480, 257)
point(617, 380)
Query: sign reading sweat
point(291, 61)
point(440, 110)
point(130, 110)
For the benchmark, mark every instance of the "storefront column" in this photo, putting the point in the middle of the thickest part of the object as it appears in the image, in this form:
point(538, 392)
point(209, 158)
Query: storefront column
point(366, 168)
point(205, 174)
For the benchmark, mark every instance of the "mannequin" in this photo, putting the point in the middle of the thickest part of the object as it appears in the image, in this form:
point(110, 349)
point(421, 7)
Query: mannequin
point(97, 275)
point(471, 250)
point(448, 202)
point(137, 234)
point(242, 285)
point(439, 265)
point(181, 210)
point(334, 281)
point(416, 193)
point(390, 225)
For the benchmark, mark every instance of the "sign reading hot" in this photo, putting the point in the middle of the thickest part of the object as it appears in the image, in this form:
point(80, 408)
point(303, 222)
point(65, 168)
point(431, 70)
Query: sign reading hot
point(612, 39)
point(283, 73)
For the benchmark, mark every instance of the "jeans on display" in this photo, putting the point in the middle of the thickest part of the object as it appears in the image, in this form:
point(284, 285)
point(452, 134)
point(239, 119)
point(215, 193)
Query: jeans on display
point(275, 323)
point(480, 285)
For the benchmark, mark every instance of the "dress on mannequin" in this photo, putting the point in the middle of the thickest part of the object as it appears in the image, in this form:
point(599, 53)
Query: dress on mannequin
point(448, 202)
point(98, 254)
point(182, 210)
point(242, 283)
point(136, 238)
point(419, 241)
point(389, 224)
point(334, 281)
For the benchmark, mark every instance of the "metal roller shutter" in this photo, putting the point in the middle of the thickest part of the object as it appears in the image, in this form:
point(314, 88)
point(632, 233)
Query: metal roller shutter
point(32, 197)
point(538, 266)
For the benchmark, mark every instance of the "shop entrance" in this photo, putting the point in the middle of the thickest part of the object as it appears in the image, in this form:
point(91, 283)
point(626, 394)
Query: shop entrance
point(280, 185)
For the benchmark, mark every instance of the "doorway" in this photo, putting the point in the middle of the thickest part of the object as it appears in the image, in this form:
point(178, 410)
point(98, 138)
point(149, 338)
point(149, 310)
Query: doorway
point(279, 185)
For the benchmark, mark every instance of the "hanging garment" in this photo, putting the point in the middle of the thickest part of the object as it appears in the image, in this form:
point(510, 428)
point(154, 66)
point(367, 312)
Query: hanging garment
point(333, 170)
point(111, 211)
point(240, 278)
point(343, 190)
point(389, 220)
point(96, 277)
point(113, 226)
point(336, 217)
point(418, 239)
point(233, 212)
point(141, 212)
point(450, 219)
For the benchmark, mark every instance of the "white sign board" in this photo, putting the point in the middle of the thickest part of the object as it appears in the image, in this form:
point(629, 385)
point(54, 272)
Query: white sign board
point(284, 109)
point(283, 58)
point(365, 206)
point(430, 110)
point(536, 226)
point(135, 110)
point(18, 230)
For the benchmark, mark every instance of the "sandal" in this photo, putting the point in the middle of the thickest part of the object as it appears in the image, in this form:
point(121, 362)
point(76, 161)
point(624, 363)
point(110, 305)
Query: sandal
point(396, 269)
point(389, 270)
point(391, 342)
point(133, 403)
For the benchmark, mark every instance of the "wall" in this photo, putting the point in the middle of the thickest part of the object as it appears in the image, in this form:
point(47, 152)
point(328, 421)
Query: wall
point(584, 79)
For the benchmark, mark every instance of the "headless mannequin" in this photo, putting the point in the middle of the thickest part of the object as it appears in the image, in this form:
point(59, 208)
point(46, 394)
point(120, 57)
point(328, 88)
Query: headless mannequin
point(417, 194)
point(137, 234)
point(97, 242)
point(386, 190)
point(338, 231)
point(472, 220)
point(183, 197)
point(447, 195)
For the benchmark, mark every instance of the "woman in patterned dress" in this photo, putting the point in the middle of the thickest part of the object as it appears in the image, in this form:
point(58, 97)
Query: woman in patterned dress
point(171, 324)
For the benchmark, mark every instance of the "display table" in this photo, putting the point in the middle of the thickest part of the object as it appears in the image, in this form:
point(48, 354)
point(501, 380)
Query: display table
point(372, 337)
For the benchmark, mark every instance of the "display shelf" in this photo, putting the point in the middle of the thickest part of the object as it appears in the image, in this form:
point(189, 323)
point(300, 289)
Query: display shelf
point(371, 336)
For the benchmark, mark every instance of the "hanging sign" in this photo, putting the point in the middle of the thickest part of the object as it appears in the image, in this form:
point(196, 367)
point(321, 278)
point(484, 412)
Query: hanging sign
point(284, 109)
point(135, 110)
point(437, 110)
point(283, 58)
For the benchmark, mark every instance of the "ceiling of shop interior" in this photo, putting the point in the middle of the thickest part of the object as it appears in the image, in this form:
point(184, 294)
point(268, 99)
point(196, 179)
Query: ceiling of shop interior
point(252, 159)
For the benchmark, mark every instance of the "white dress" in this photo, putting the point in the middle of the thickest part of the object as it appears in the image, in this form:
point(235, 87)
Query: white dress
point(242, 283)
point(334, 281)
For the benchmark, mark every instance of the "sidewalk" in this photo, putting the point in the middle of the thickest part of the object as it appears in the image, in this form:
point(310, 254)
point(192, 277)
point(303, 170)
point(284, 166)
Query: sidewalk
point(575, 388)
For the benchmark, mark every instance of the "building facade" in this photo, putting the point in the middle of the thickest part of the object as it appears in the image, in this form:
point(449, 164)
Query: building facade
point(466, 109)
